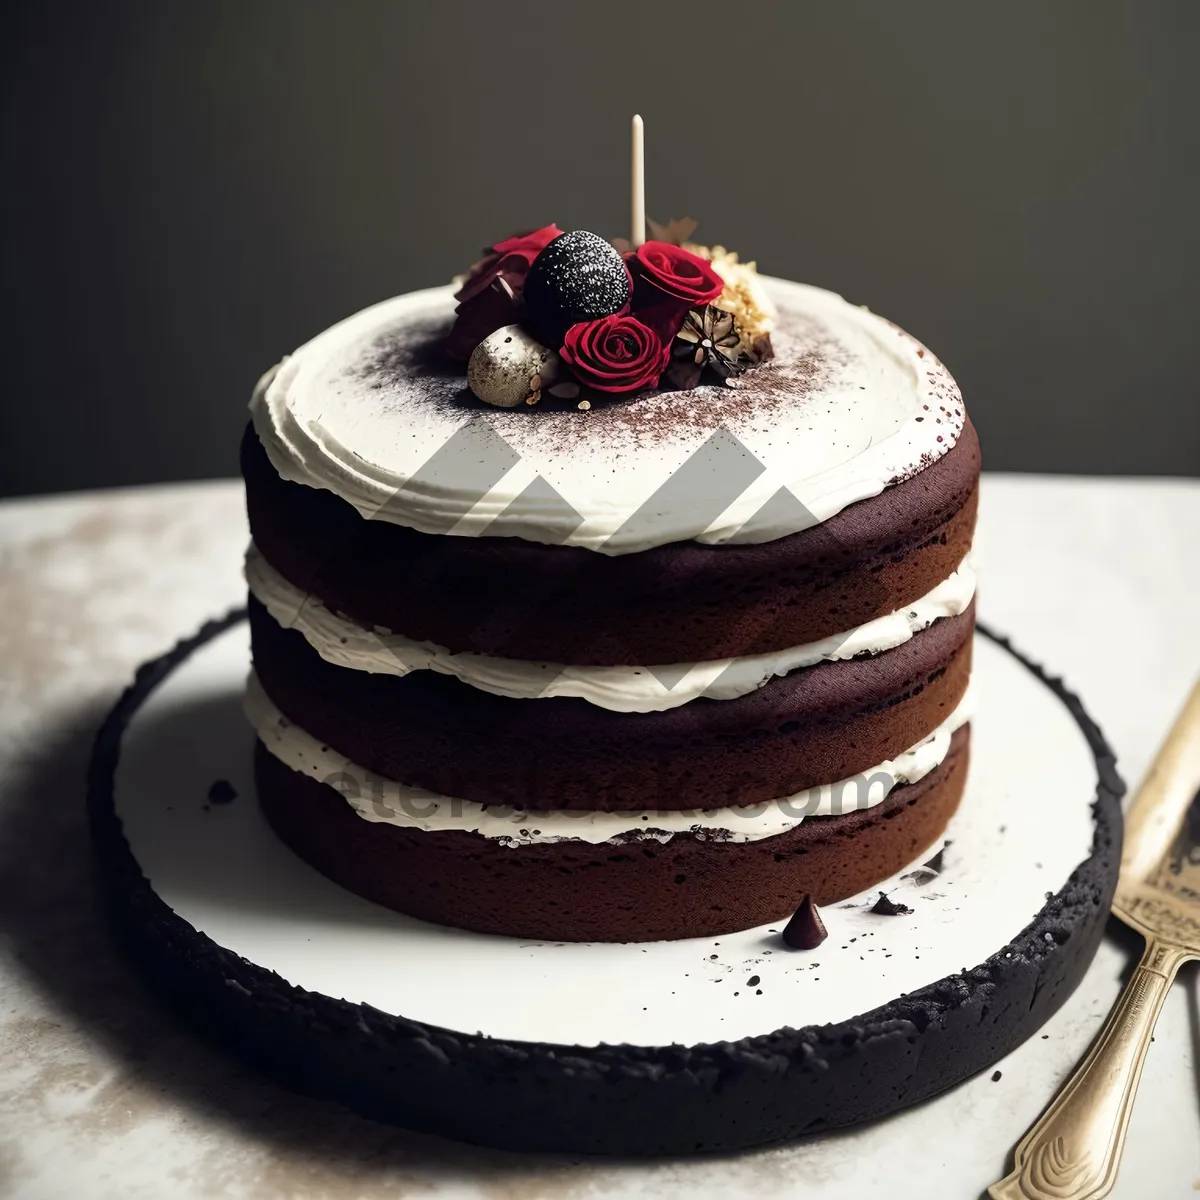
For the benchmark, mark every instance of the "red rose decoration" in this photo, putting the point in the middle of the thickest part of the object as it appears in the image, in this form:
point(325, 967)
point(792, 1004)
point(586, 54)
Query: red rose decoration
point(510, 258)
point(615, 354)
point(490, 297)
point(483, 313)
point(678, 273)
point(664, 314)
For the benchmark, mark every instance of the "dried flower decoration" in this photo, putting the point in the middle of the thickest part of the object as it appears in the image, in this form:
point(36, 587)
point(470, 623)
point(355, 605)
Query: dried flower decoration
point(676, 231)
point(678, 312)
point(743, 296)
point(709, 338)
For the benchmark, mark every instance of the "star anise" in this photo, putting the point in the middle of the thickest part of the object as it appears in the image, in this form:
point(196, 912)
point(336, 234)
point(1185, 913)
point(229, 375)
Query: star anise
point(708, 338)
point(676, 231)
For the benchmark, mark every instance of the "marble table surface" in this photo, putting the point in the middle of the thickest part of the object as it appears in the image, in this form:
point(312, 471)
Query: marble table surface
point(104, 1094)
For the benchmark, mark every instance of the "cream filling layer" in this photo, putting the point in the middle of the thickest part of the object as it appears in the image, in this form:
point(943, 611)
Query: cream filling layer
point(384, 800)
point(344, 643)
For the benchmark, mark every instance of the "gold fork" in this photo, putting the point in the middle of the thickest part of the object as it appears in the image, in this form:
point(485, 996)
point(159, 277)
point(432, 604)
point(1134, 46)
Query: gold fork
point(1073, 1150)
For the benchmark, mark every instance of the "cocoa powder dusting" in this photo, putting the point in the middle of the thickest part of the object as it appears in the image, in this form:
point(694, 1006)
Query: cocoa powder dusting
point(408, 357)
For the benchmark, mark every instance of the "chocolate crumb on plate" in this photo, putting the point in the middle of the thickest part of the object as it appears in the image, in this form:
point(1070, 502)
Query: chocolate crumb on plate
point(996, 1076)
point(806, 930)
point(920, 876)
point(222, 792)
point(936, 863)
point(927, 872)
point(889, 908)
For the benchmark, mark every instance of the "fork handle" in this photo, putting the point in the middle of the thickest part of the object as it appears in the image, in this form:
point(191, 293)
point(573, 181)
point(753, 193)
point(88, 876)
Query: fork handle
point(1073, 1150)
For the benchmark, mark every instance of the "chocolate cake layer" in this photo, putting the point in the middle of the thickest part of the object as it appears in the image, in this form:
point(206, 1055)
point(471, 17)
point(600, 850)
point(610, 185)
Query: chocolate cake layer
point(817, 725)
point(607, 1099)
point(637, 891)
point(676, 603)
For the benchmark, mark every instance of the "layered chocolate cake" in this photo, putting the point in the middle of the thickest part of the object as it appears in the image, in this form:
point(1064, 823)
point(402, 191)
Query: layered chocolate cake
point(647, 620)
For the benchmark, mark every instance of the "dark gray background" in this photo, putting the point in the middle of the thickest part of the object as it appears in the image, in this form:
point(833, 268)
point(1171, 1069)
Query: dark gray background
point(192, 189)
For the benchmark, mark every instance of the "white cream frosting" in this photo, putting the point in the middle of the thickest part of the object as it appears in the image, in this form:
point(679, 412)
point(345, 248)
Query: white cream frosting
point(850, 404)
point(344, 643)
point(385, 801)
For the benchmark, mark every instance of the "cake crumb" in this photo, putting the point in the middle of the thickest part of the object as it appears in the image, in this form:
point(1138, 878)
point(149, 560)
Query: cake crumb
point(937, 862)
point(885, 907)
point(921, 876)
point(222, 792)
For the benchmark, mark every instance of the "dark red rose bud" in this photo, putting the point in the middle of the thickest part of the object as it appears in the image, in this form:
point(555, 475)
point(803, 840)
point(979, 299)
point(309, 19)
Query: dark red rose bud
point(483, 313)
point(677, 272)
point(664, 314)
point(529, 245)
point(510, 259)
point(615, 354)
point(491, 294)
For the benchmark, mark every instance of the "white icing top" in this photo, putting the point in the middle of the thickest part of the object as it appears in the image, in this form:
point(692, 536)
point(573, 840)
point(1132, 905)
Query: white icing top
point(369, 411)
point(623, 689)
point(384, 800)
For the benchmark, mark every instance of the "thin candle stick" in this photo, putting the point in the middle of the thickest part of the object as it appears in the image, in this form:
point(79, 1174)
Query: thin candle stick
point(638, 179)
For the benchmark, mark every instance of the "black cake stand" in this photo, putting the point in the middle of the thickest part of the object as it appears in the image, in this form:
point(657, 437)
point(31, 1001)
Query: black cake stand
point(653, 1048)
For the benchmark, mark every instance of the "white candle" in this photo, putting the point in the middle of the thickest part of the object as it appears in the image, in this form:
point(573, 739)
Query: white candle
point(638, 180)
